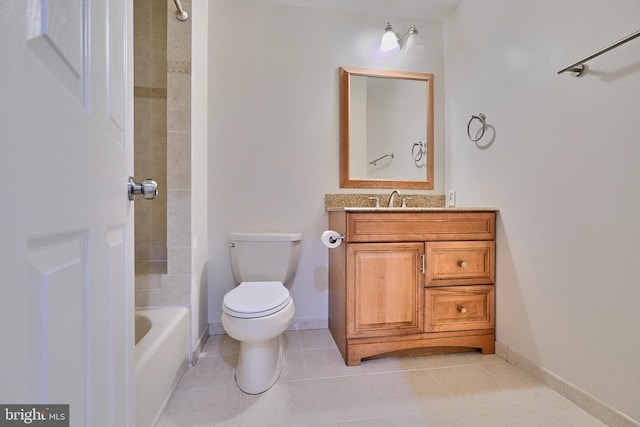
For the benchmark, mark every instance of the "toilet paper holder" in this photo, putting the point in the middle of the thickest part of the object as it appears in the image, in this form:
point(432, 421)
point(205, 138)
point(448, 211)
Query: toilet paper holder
point(333, 239)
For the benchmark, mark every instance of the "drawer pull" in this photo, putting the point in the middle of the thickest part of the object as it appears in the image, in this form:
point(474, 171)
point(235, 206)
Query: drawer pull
point(462, 264)
point(462, 309)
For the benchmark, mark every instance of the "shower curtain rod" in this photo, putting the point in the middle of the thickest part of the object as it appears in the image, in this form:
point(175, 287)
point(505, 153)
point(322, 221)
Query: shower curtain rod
point(181, 14)
point(579, 67)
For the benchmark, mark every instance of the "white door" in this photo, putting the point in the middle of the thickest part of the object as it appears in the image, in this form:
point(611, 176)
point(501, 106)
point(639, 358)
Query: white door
point(66, 248)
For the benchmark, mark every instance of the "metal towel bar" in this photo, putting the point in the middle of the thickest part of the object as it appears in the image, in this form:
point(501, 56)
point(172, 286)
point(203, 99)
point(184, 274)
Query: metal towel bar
point(375, 162)
point(578, 67)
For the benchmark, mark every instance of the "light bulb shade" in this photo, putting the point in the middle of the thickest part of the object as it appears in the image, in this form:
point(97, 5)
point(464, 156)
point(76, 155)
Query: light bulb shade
point(389, 44)
point(414, 45)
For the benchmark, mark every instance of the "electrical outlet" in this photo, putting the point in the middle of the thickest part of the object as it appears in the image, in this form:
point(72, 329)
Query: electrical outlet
point(451, 198)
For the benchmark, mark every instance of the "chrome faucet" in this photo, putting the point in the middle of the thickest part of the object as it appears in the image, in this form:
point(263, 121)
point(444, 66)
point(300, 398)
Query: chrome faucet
point(393, 193)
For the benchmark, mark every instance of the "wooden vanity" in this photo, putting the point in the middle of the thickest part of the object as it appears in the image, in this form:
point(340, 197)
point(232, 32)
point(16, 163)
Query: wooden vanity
point(412, 281)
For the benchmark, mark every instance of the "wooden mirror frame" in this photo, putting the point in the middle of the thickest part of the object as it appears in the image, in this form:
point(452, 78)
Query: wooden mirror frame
point(345, 86)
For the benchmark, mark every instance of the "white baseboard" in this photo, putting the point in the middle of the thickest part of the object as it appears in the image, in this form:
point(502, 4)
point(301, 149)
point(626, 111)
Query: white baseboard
point(586, 401)
point(198, 346)
point(302, 324)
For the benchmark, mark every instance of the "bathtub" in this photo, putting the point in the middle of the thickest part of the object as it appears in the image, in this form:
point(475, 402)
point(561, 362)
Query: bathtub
point(161, 356)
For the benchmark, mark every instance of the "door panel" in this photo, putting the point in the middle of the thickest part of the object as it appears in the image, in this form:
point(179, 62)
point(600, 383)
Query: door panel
point(66, 303)
point(56, 36)
point(116, 69)
point(56, 281)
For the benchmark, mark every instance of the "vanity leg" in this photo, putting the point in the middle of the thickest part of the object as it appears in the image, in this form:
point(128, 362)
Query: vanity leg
point(489, 346)
point(353, 360)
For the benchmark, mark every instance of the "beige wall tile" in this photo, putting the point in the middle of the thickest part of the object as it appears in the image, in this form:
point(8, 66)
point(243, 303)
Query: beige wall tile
point(179, 260)
point(158, 20)
point(158, 63)
point(178, 218)
point(178, 102)
point(179, 169)
point(167, 219)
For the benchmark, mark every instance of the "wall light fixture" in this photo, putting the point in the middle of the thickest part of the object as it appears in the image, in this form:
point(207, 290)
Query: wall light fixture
point(391, 42)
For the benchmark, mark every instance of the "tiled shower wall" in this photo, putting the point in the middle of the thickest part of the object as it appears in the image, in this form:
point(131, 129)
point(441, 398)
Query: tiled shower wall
point(150, 138)
point(167, 55)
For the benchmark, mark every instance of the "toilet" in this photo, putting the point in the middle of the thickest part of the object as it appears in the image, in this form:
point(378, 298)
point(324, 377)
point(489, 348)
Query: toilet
point(260, 309)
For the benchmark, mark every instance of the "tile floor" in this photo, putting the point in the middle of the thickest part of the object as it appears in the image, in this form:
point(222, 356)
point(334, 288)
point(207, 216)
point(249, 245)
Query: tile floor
point(316, 388)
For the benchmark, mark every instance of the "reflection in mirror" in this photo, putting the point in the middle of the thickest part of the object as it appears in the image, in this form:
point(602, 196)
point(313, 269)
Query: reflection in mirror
point(386, 129)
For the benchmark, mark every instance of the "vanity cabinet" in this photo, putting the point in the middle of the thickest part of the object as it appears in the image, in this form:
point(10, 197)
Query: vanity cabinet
point(412, 281)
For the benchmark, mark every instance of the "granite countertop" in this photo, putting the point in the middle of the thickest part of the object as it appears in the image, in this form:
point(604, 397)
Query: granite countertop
point(416, 203)
point(415, 209)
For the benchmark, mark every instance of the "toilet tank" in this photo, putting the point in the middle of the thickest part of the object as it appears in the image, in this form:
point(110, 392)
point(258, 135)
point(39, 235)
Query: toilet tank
point(257, 257)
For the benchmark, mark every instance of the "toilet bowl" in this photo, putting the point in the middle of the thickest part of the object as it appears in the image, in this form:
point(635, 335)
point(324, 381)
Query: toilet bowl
point(260, 357)
point(260, 309)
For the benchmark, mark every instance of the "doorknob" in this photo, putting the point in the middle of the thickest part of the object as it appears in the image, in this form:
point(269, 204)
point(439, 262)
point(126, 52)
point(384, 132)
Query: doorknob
point(148, 188)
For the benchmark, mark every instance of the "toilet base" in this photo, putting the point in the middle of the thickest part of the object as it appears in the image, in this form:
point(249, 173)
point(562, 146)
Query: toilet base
point(259, 365)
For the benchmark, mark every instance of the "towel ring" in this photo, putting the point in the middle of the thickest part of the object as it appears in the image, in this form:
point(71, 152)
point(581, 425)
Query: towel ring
point(417, 155)
point(483, 119)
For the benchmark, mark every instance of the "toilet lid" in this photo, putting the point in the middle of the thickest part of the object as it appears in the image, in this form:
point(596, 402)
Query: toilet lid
point(255, 299)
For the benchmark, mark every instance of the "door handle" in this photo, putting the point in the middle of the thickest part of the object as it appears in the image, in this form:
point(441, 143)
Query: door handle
point(148, 189)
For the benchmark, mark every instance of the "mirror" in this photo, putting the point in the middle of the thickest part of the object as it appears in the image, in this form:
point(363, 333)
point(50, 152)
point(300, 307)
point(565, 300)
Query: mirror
point(386, 129)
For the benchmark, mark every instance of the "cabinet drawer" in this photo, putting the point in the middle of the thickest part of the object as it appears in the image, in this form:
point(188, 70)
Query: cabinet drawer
point(460, 263)
point(459, 308)
point(420, 226)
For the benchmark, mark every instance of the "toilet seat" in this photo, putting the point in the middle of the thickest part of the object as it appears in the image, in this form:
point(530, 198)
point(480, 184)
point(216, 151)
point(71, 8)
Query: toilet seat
point(255, 299)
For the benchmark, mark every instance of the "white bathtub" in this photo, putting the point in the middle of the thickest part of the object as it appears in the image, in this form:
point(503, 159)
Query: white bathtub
point(161, 356)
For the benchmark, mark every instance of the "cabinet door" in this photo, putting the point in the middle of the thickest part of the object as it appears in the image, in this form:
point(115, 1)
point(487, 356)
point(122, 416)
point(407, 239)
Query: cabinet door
point(385, 289)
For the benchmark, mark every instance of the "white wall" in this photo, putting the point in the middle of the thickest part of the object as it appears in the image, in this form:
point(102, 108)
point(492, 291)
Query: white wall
point(199, 170)
point(563, 168)
point(273, 127)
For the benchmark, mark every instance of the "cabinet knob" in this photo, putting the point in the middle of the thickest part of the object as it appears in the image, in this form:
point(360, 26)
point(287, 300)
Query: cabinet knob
point(462, 264)
point(462, 309)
